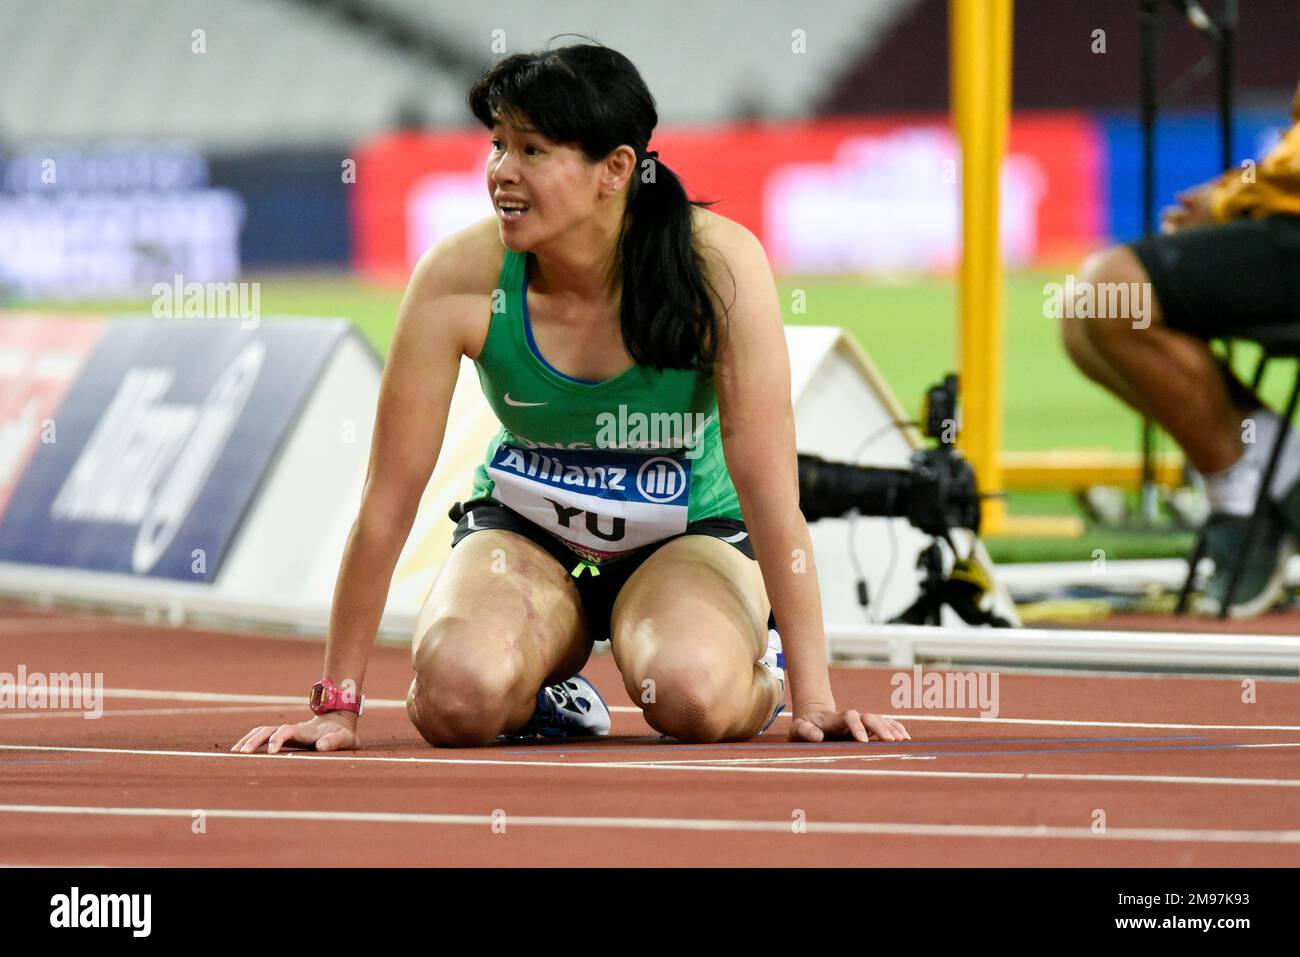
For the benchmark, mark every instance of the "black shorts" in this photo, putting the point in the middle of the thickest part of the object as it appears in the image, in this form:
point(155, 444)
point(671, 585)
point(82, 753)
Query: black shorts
point(1212, 280)
point(597, 592)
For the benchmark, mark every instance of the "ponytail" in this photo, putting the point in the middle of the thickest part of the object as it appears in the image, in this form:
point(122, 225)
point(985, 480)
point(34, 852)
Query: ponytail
point(668, 315)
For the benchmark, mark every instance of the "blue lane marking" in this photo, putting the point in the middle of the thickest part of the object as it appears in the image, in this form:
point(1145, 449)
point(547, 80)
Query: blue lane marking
point(1166, 747)
point(596, 749)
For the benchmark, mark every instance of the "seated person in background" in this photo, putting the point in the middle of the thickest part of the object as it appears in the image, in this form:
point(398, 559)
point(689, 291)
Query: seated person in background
point(1228, 257)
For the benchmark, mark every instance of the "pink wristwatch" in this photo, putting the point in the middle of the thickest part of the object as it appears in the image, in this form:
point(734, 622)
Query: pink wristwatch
point(326, 696)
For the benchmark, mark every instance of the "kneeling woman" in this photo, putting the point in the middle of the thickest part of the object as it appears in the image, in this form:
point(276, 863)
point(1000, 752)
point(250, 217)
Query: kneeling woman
point(643, 486)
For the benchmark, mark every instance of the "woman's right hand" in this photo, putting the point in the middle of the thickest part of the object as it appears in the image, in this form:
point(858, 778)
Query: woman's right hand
point(336, 731)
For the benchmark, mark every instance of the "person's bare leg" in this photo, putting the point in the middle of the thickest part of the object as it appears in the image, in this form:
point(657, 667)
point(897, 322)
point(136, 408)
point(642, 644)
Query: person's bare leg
point(1177, 375)
point(1078, 346)
point(503, 619)
point(687, 631)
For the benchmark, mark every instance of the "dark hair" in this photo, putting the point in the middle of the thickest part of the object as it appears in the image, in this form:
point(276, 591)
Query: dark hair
point(594, 98)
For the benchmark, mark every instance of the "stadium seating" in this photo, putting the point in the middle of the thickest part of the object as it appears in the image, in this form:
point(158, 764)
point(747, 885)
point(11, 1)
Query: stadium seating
point(300, 74)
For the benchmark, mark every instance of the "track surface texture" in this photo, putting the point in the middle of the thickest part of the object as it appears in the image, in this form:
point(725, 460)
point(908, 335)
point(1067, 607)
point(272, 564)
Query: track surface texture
point(1092, 771)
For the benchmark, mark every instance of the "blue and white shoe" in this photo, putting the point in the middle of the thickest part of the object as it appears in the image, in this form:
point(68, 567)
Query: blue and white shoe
point(571, 709)
point(774, 661)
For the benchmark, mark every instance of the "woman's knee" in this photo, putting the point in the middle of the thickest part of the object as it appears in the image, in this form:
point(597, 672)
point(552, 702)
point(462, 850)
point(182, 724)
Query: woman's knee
point(695, 697)
point(466, 684)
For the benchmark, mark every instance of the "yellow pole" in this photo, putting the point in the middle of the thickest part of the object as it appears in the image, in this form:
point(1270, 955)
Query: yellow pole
point(981, 101)
point(981, 106)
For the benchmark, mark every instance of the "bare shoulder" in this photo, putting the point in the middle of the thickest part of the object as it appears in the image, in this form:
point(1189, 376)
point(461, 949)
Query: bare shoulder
point(468, 262)
point(720, 233)
point(732, 255)
point(452, 285)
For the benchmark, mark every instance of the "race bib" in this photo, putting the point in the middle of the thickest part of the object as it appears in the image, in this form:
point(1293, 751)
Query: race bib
point(602, 504)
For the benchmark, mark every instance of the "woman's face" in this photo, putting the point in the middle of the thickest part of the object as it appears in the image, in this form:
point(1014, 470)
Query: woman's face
point(539, 188)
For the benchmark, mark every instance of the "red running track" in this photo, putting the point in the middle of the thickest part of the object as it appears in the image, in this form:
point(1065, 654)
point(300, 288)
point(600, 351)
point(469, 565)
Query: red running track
point(1085, 771)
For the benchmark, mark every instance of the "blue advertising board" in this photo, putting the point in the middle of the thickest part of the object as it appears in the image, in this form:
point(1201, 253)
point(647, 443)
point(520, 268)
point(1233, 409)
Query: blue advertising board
point(1187, 154)
point(295, 206)
point(161, 443)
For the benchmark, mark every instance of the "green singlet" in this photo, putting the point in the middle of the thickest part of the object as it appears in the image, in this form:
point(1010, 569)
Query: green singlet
point(606, 467)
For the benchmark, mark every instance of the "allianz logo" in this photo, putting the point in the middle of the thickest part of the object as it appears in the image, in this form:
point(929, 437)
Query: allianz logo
point(659, 479)
point(147, 460)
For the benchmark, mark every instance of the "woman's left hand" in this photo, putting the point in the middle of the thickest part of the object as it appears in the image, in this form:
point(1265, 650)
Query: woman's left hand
point(816, 724)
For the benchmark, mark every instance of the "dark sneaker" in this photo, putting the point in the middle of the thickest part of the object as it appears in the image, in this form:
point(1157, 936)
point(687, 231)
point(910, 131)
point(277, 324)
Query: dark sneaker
point(1263, 571)
point(571, 709)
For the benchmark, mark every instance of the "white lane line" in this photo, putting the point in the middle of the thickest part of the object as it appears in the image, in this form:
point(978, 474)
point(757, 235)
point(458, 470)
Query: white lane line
point(911, 716)
point(148, 694)
point(1033, 832)
point(45, 626)
point(130, 712)
point(935, 757)
point(656, 766)
point(820, 759)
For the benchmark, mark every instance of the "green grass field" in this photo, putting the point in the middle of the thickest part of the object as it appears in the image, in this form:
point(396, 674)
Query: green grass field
point(909, 329)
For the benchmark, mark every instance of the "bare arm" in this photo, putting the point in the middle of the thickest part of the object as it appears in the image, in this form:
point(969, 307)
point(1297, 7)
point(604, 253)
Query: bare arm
point(410, 422)
point(752, 379)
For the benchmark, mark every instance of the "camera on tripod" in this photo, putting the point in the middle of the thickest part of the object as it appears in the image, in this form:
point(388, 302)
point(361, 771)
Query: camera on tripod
point(936, 494)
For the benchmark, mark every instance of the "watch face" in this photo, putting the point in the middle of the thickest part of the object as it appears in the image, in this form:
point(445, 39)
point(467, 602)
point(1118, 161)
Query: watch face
point(317, 696)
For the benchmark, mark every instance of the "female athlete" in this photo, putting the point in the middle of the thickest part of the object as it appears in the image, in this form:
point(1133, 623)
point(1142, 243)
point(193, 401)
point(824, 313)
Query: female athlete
point(643, 487)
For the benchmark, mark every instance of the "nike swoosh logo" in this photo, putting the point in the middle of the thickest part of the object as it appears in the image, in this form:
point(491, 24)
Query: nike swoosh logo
point(510, 401)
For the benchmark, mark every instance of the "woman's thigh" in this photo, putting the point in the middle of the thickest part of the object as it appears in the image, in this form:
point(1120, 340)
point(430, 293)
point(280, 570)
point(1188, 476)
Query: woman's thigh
point(687, 631)
point(501, 620)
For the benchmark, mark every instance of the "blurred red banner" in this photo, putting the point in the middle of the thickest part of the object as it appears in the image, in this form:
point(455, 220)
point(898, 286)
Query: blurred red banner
point(836, 197)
